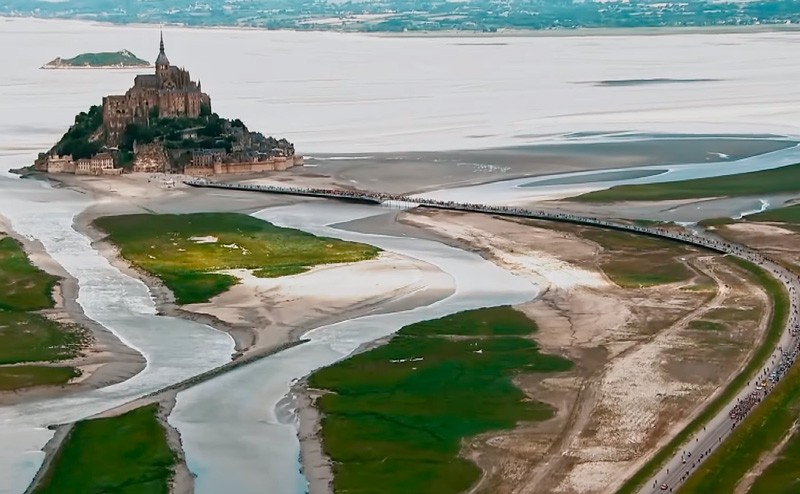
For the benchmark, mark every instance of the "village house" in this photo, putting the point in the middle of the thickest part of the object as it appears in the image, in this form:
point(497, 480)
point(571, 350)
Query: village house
point(99, 164)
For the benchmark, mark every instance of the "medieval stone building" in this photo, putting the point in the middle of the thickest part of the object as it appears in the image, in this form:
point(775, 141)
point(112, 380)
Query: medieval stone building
point(170, 92)
point(206, 146)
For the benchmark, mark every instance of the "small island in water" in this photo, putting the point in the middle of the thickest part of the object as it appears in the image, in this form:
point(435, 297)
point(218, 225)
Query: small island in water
point(115, 60)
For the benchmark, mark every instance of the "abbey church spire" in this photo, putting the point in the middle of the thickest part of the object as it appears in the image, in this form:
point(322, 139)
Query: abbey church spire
point(162, 62)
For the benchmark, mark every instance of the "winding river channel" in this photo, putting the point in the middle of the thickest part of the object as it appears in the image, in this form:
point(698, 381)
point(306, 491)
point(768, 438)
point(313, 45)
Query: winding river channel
point(175, 349)
point(230, 425)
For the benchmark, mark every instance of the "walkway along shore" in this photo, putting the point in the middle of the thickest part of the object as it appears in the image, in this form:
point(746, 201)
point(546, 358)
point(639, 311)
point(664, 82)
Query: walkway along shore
point(701, 444)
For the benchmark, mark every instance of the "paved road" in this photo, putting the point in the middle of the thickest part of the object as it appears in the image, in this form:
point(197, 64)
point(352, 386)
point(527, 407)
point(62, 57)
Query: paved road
point(684, 462)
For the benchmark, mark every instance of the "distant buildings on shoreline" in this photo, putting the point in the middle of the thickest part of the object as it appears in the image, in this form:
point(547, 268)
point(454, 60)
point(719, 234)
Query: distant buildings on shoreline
point(429, 16)
point(99, 164)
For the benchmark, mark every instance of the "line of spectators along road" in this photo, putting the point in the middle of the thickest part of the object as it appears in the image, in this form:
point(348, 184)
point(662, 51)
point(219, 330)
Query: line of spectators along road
point(766, 382)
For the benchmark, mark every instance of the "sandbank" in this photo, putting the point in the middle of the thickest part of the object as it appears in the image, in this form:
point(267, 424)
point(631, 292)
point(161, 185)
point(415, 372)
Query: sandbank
point(317, 466)
point(279, 310)
point(182, 480)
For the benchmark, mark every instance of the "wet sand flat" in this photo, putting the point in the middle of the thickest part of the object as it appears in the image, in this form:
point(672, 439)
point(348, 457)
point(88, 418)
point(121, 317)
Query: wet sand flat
point(409, 172)
point(597, 177)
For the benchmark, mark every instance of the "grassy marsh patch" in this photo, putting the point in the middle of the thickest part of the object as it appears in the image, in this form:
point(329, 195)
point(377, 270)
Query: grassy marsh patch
point(25, 335)
point(127, 454)
point(633, 261)
point(775, 181)
point(635, 273)
point(30, 337)
point(616, 240)
point(734, 314)
point(25, 287)
point(493, 321)
point(789, 214)
point(397, 414)
point(17, 377)
point(704, 325)
point(781, 477)
point(185, 250)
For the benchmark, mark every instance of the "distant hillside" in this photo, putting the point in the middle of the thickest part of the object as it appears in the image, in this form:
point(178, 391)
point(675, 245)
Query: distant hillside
point(117, 59)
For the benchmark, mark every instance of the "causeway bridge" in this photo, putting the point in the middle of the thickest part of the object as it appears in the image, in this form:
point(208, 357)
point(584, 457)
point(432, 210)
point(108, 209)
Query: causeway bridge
point(378, 198)
point(676, 469)
point(288, 191)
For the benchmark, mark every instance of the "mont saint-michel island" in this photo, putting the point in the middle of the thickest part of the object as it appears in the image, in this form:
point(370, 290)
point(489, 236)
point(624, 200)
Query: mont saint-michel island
point(164, 123)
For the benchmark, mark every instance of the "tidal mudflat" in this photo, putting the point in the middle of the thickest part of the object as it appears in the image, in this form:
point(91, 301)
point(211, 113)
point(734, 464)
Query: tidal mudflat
point(530, 191)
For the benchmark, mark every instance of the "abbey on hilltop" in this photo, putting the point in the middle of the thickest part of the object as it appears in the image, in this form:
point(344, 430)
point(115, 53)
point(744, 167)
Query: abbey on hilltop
point(163, 123)
point(170, 92)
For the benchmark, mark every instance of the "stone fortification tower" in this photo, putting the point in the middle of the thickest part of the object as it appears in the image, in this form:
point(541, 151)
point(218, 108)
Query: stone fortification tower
point(169, 92)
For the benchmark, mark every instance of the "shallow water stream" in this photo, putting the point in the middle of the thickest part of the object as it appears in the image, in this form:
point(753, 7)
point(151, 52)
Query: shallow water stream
point(175, 348)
